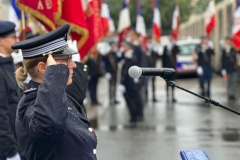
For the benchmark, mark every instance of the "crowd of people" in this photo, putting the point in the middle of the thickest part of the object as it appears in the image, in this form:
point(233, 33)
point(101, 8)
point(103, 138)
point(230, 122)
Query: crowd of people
point(116, 62)
point(42, 98)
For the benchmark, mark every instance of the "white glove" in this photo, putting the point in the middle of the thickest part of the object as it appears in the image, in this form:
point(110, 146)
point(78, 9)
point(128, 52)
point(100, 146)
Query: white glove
point(120, 52)
point(108, 76)
point(224, 72)
point(122, 88)
point(211, 45)
point(136, 80)
point(16, 157)
point(199, 71)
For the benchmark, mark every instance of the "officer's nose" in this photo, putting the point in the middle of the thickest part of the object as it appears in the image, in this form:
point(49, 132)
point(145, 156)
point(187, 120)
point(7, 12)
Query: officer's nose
point(72, 64)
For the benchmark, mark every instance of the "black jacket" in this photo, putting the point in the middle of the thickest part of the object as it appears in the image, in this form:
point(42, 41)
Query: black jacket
point(140, 57)
point(204, 57)
point(126, 80)
point(79, 85)
point(169, 58)
point(110, 61)
point(9, 98)
point(51, 125)
point(229, 60)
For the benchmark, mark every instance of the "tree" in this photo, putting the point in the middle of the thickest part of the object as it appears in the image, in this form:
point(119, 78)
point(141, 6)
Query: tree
point(166, 9)
point(201, 6)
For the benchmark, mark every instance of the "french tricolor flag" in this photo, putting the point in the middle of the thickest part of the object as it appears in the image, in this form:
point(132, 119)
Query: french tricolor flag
point(236, 26)
point(108, 24)
point(111, 24)
point(157, 29)
point(140, 24)
point(175, 21)
point(210, 17)
point(124, 22)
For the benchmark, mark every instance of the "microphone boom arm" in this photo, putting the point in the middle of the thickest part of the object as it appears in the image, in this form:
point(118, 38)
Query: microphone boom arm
point(207, 100)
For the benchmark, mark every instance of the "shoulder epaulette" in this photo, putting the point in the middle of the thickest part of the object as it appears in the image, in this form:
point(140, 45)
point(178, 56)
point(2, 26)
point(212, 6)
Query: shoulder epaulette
point(30, 90)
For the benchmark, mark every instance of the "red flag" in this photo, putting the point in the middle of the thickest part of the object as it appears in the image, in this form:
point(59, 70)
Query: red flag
point(108, 24)
point(124, 23)
point(94, 25)
point(76, 18)
point(210, 18)
point(157, 32)
point(175, 22)
point(105, 14)
point(236, 26)
point(140, 24)
point(43, 10)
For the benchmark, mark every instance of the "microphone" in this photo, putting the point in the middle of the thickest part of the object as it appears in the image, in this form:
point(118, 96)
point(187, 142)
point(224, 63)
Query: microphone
point(165, 73)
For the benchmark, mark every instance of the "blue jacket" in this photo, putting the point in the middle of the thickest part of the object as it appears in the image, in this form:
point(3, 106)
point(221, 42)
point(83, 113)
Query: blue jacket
point(9, 98)
point(51, 125)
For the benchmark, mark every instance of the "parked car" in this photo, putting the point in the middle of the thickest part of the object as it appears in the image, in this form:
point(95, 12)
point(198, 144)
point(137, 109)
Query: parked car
point(185, 60)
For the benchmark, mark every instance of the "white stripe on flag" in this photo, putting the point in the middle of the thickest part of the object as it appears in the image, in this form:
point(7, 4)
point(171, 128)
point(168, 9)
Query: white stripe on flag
point(124, 20)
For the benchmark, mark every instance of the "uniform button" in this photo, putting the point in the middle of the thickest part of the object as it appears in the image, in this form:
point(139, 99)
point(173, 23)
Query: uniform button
point(94, 151)
point(90, 129)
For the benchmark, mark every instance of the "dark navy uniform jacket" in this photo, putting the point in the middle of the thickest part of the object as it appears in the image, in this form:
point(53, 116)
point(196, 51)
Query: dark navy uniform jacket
point(229, 60)
point(9, 98)
point(170, 60)
point(204, 59)
point(51, 125)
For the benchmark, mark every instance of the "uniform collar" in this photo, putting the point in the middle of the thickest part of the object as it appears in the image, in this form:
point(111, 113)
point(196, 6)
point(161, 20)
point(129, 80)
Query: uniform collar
point(33, 84)
point(6, 59)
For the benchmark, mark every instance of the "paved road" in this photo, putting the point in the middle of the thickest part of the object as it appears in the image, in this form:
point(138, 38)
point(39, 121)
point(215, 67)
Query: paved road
point(169, 128)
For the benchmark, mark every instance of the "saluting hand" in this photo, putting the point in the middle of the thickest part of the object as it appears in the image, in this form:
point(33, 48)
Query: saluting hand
point(50, 60)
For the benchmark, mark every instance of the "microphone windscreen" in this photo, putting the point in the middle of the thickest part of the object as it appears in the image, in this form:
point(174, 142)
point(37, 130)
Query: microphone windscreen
point(135, 72)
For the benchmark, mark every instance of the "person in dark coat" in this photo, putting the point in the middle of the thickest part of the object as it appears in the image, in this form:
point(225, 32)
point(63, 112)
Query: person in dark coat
point(111, 67)
point(204, 59)
point(169, 60)
point(94, 72)
point(79, 85)
point(129, 87)
point(50, 124)
point(153, 57)
point(9, 93)
point(141, 61)
point(229, 67)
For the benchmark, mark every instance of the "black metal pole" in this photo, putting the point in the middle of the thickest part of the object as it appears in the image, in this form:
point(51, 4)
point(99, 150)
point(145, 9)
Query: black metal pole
point(207, 100)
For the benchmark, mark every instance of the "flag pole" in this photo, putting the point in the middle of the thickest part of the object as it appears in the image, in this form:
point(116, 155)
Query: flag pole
point(23, 36)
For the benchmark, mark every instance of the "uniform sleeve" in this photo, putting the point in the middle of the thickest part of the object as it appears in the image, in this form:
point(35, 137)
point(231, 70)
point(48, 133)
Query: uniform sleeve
point(8, 145)
point(223, 59)
point(49, 111)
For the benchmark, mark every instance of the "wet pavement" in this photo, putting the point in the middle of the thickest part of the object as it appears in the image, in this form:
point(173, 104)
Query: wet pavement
point(169, 128)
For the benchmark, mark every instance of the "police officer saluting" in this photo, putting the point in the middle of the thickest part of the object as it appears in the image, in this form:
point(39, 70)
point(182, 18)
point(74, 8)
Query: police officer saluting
point(9, 95)
point(51, 125)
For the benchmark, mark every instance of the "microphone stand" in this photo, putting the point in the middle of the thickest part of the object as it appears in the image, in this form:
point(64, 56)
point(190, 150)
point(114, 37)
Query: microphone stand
point(207, 100)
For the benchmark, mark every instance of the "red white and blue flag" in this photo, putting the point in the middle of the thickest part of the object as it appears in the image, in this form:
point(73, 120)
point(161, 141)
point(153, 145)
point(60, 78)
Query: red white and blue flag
point(112, 27)
point(157, 29)
point(108, 24)
point(124, 22)
point(236, 26)
point(140, 24)
point(175, 21)
point(210, 17)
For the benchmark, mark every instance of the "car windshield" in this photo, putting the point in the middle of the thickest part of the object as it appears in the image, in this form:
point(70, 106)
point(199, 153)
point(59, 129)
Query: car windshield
point(187, 49)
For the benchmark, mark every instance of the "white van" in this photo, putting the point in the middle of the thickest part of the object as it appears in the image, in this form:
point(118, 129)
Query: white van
point(185, 61)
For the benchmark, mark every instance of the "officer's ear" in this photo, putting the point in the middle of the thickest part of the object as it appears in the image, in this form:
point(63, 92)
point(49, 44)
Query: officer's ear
point(41, 67)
